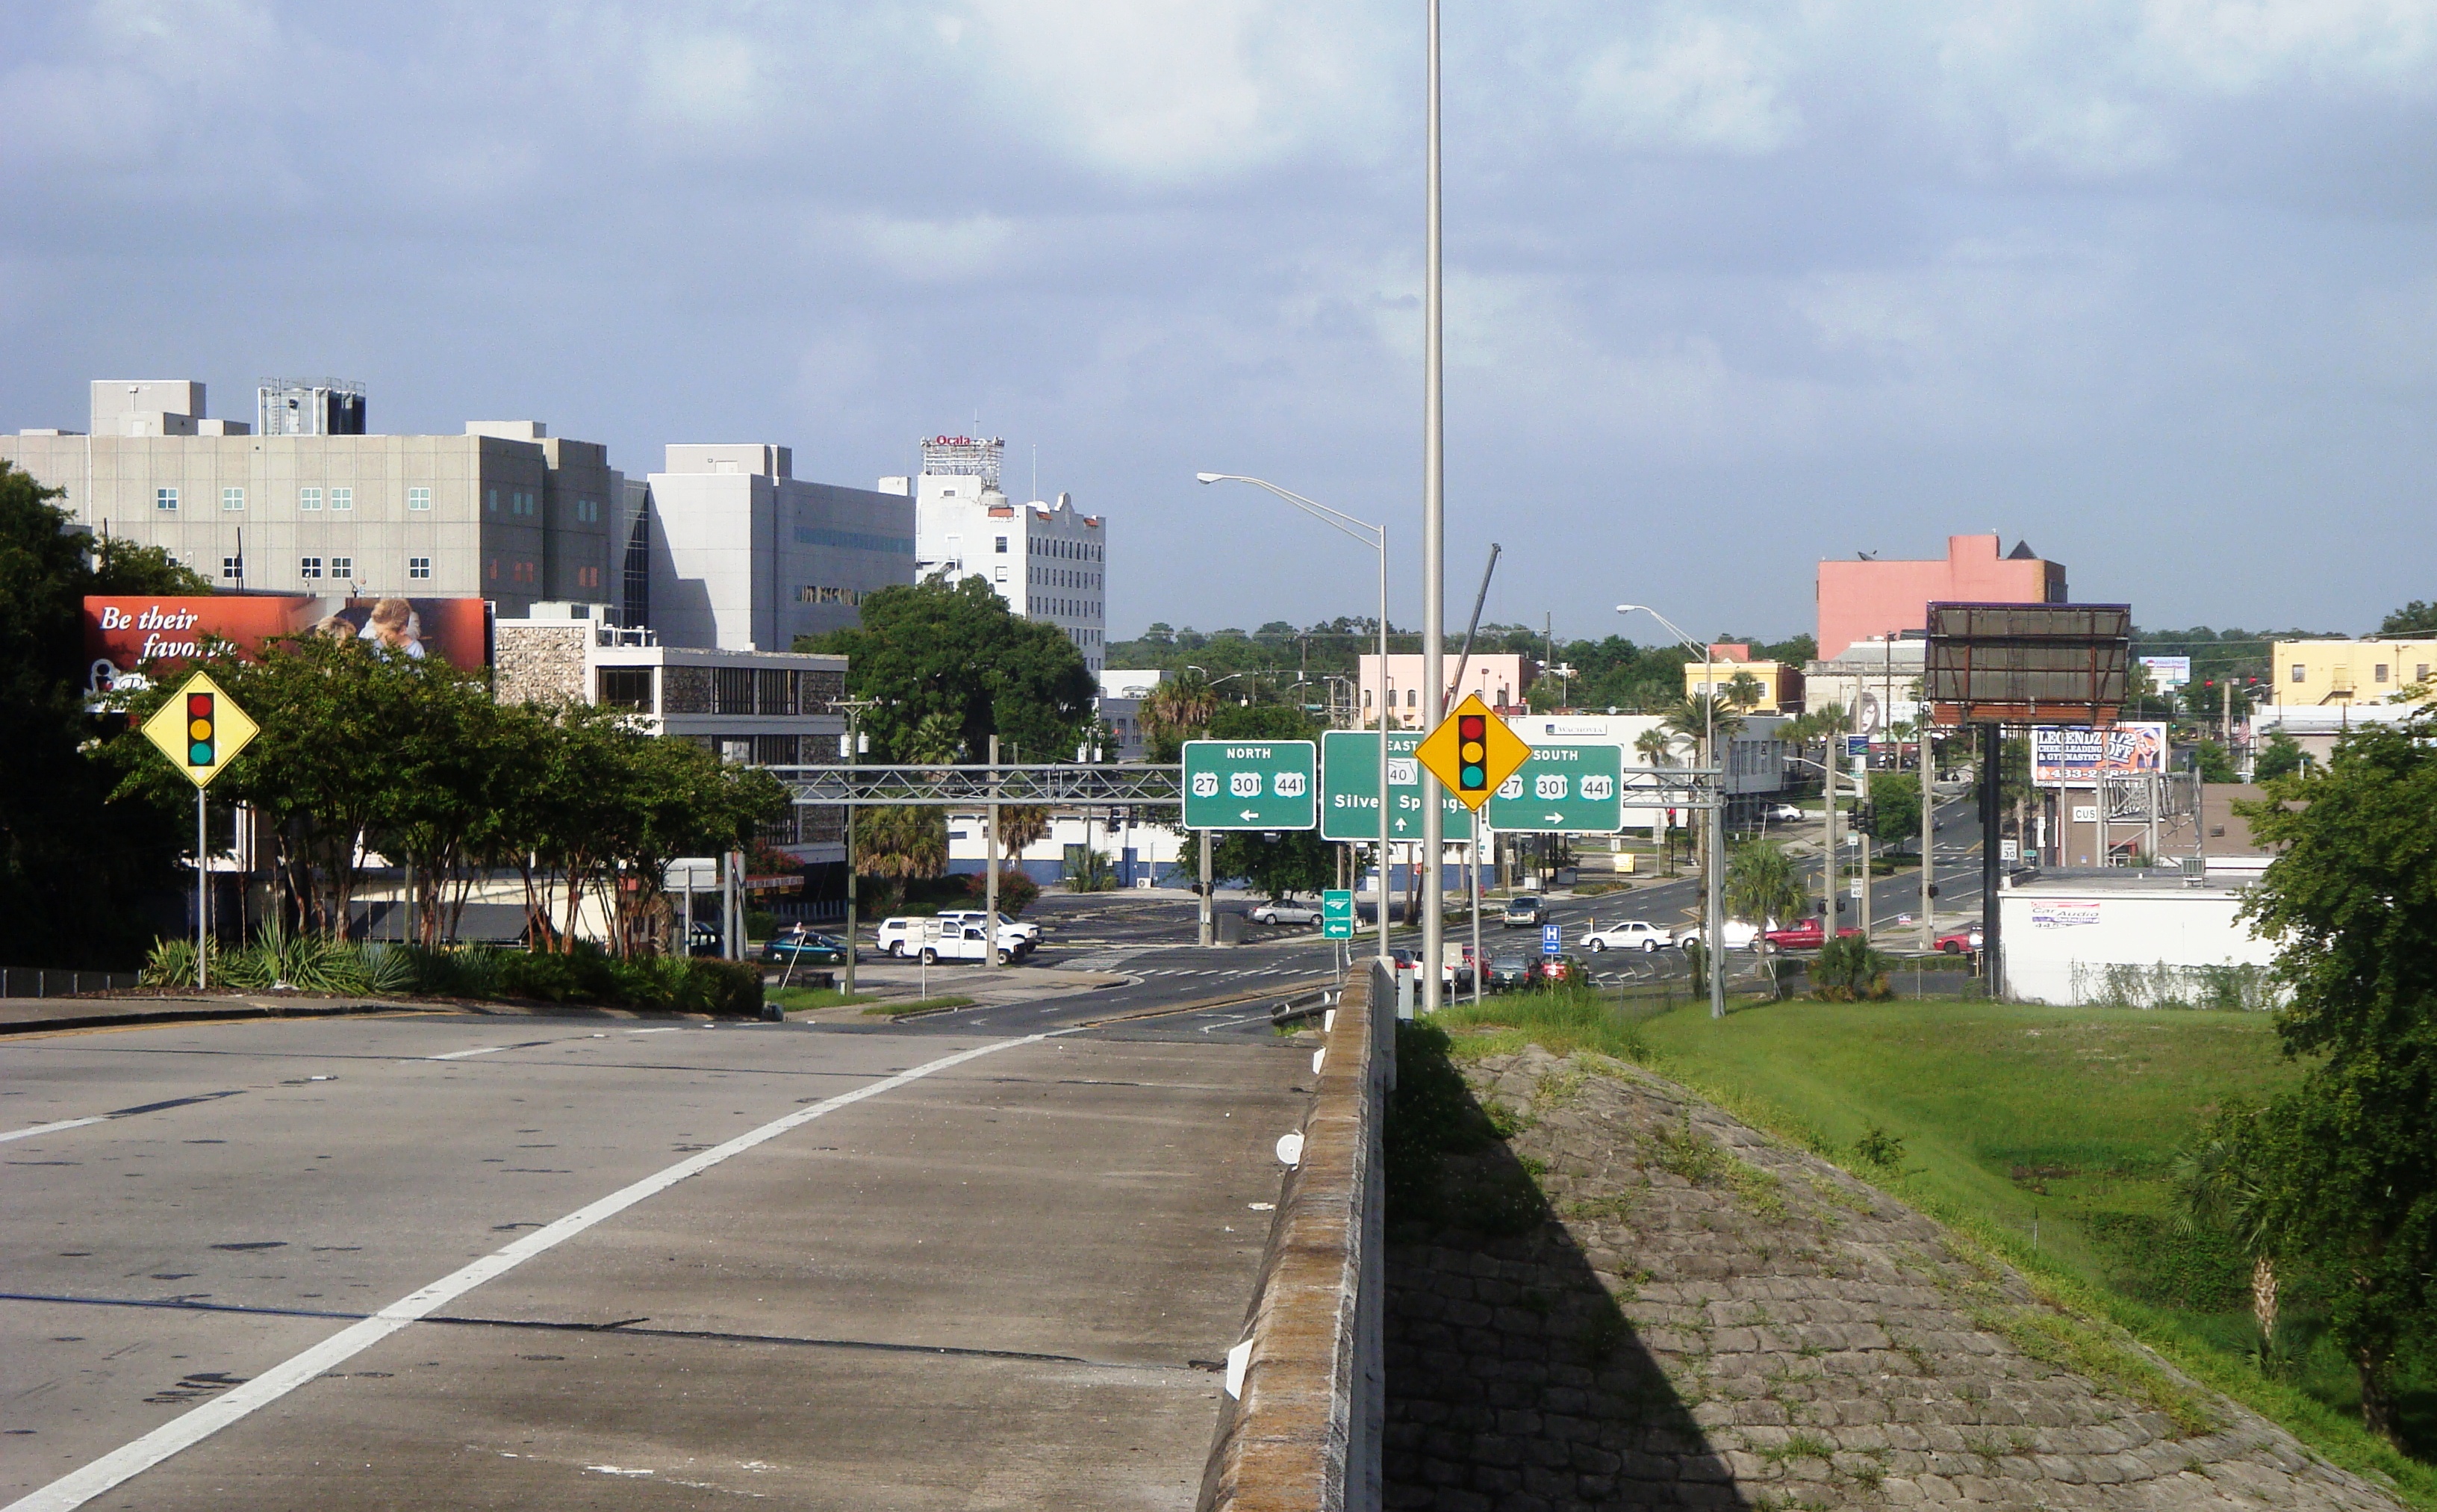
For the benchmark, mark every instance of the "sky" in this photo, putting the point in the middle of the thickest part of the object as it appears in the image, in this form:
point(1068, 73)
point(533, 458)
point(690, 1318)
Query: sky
point(1730, 287)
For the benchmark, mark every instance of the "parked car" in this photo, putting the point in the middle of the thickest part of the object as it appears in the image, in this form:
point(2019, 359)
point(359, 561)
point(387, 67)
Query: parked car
point(1782, 814)
point(1508, 971)
point(804, 948)
point(1027, 932)
point(1631, 934)
point(1277, 912)
point(1961, 941)
point(906, 935)
point(1524, 910)
point(703, 940)
point(1737, 934)
point(934, 940)
point(1806, 935)
point(1453, 978)
point(1548, 969)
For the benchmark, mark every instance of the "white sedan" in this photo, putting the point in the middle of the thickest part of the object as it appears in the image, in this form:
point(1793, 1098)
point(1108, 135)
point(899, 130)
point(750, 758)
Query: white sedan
point(1738, 935)
point(1633, 934)
point(1285, 913)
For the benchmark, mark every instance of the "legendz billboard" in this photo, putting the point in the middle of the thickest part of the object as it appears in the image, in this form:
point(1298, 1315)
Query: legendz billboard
point(2074, 755)
point(122, 633)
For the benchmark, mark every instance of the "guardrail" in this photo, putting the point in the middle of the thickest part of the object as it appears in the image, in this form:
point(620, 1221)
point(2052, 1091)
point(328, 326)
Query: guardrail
point(1300, 1421)
point(52, 982)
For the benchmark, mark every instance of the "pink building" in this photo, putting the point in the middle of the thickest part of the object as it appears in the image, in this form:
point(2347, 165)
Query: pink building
point(1862, 599)
point(1501, 680)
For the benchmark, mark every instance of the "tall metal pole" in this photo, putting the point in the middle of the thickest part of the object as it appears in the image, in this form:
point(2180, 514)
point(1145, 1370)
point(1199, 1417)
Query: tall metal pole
point(1833, 753)
point(990, 859)
point(851, 899)
point(1384, 830)
point(1202, 938)
point(1714, 933)
point(1433, 551)
point(1928, 828)
point(1991, 762)
point(202, 897)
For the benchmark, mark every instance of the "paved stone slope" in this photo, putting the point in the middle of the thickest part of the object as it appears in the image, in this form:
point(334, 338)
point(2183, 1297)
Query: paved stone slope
point(1716, 1321)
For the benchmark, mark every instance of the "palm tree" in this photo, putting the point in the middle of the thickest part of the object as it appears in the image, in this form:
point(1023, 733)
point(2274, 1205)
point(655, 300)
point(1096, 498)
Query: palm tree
point(1761, 887)
point(1176, 709)
point(1694, 719)
point(2223, 1186)
point(1744, 692)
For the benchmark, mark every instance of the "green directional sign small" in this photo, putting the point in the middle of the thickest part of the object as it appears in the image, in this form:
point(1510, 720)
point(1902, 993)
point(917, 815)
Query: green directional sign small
point(1563, 789)
point(1349, 788)
point(1337, 914)
point(1251, 784)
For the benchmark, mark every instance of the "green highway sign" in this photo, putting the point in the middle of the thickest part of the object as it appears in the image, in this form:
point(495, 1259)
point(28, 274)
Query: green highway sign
point(1337, 914)
point(1251, 784)
point(1349, 788)
point(1564, 789)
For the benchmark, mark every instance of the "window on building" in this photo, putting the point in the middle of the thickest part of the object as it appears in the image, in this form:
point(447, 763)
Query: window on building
point(775, 690)
point(232, 499)
point(233, 569)
point(774, 751)
point(343, 567)
point(165, 499)
point(495, 570)
point(343, 499)
point(308, 498)
point(2420, 673)
point(624, 688)
point(732, 692)
point(309, 567)
point(2299, 672)
point(1001, 574)
point(2378, 673)
point(1413, 701)
point(491, 501)
point(1001, 551)
point(418, 566)
point(418, 498)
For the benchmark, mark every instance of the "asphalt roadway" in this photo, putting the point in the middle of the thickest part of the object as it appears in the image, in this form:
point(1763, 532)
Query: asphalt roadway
point(983, 1260)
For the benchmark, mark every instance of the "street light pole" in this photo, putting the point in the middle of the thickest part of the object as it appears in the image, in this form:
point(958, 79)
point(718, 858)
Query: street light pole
point(1433, 549)
point(1375, 536)
point(1714, 933)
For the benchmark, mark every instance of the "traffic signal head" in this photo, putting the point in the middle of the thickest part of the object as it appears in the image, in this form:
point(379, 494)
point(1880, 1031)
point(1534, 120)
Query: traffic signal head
point(203, 731)
point(1472, 753)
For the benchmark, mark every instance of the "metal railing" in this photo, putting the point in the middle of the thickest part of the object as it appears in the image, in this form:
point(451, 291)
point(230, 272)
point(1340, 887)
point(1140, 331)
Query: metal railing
point(53, 981)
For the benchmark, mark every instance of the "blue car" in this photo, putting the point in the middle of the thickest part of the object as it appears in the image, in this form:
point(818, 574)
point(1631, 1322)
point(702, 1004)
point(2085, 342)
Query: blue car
point(804, 949)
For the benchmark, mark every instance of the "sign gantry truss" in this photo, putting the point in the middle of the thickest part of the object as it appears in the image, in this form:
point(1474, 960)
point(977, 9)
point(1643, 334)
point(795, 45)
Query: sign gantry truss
point(1147, 786)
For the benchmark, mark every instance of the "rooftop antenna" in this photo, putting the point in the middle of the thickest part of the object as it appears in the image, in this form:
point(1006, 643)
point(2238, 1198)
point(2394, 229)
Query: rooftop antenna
point(1035, 468)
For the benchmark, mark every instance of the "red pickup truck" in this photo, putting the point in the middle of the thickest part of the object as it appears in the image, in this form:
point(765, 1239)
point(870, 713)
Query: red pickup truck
point(1808, 935)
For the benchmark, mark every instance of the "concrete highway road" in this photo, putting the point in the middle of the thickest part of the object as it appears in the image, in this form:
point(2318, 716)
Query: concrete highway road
point(450, 1261)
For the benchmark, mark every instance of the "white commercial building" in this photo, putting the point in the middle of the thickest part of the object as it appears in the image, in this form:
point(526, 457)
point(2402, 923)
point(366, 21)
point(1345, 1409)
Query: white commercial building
point(1139, 854)
point(504, 512)
point(744, 556)
point(2140, 938)
point(1048, 562)
point(1876, 681)
point(1755, 754)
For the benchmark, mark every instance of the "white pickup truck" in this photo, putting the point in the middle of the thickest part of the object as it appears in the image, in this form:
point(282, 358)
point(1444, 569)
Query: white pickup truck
point(932, 939)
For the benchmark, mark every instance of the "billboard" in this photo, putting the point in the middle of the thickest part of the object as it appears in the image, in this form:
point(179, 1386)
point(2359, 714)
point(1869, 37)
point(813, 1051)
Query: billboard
point(2074, 755)
point(2168, 672)
point(123, 632)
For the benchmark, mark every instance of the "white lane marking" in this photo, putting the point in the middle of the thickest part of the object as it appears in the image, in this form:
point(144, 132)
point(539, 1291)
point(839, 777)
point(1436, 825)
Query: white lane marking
point(459, 1055)
point(50, 1127)
point(670, 1029)
point(133, 1459)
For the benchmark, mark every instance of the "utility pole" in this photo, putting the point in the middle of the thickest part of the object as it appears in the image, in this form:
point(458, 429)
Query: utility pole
point(989, 860)
point(1928, 849)
point(1203, 937)
point(1433, 549)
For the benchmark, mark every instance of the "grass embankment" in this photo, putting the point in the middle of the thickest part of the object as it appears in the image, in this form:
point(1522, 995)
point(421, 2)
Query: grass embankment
point(2045, 1135)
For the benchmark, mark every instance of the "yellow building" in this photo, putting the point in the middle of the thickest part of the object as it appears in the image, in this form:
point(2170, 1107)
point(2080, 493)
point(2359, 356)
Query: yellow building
point(1781, 686)
point(2343, 671)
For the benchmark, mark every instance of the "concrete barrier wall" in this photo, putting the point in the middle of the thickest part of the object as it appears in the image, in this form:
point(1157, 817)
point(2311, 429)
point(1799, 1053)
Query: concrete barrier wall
point(1300, 1427)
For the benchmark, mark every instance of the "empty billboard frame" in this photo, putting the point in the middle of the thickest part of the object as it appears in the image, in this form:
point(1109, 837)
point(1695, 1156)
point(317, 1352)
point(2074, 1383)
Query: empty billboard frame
point(2028, 664)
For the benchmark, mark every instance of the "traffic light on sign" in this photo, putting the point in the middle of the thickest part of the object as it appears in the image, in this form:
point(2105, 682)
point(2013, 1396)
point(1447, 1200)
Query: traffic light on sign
point(1472, 754)
point(202, 729)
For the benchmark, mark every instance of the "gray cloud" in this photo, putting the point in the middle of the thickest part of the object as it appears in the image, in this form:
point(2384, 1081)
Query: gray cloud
point(1730, 287)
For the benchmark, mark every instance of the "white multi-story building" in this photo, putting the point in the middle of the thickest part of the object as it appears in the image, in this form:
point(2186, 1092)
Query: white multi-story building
point(1048, 562)
point(742, 555)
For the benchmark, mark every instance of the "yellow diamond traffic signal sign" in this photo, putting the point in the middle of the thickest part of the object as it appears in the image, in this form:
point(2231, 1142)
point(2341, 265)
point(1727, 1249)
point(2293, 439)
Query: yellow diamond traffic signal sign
point(201, 729)
point(1472, 751)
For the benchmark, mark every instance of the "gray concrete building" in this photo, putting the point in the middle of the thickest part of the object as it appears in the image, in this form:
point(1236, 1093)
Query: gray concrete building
point(505, 511)
point(743, 555)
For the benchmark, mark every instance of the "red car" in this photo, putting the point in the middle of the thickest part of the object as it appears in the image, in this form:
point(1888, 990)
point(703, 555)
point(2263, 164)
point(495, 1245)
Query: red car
point(1808, 935)
point(1961, 942)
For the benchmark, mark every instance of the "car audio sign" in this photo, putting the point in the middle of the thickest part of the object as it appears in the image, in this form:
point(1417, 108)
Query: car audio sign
point(1251, 784)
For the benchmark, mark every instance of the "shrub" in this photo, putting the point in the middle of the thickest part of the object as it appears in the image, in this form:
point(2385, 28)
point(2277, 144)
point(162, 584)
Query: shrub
point(1015, 890)
point(1848, 971)
point(730, 988)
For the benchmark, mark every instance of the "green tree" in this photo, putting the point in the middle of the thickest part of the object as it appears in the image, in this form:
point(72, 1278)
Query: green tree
point(1761, 885)
point(954, 651)
point(2280, 755)
point(2348, 1159)
point(76, 861)
point(1177, 710)
point(2415, 618)
point(2213, 763)
point(1894, 799)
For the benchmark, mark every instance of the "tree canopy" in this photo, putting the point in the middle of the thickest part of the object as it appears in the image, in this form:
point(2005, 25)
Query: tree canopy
point(2415, 618)
point(75, 865)
point(2346, 1162)
point(954, 653)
